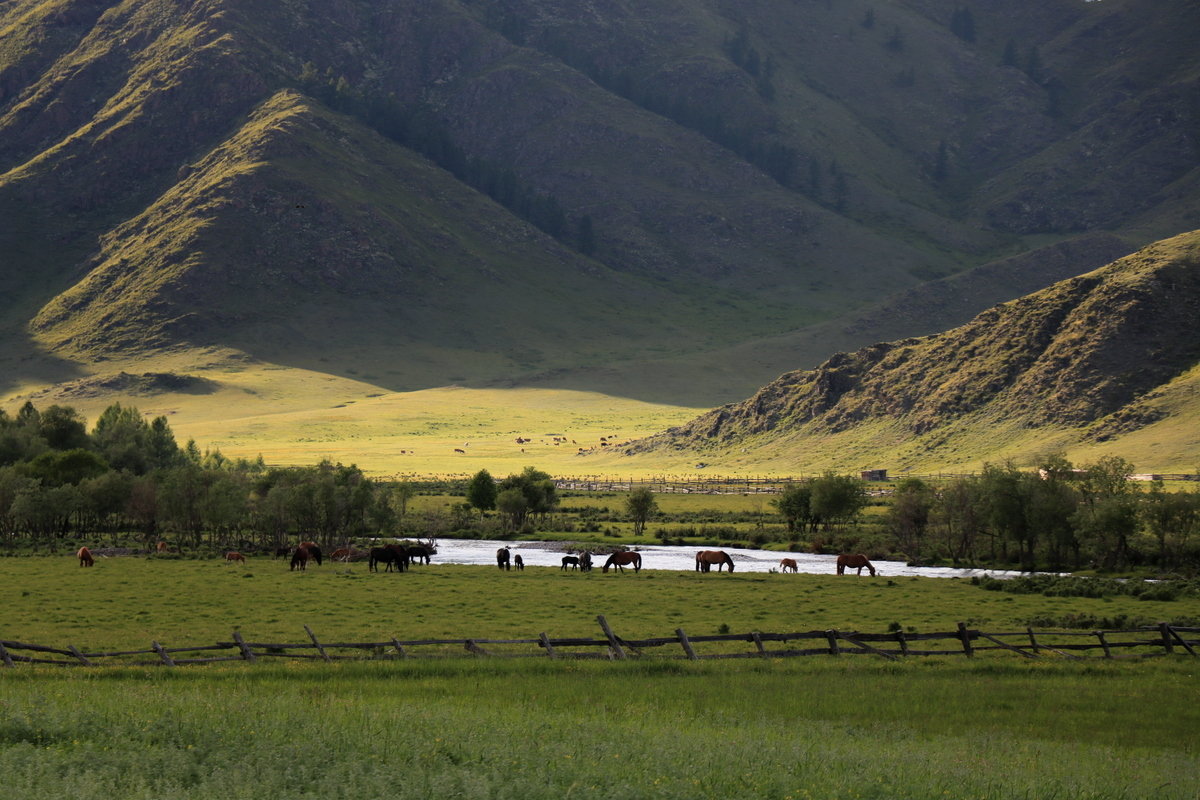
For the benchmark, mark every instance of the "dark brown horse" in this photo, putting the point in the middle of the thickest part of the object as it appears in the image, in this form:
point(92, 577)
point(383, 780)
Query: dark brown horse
point(300, 559)
point(853, 560)
point(314, 552)
point(518, 562)
point(85, 557)
point(706, 558)
point(502, 558)
point(585, 561)
point(393, 556)
point(788, 565)
point(234, 555)
point(619, 560)
point(571, 562)
point(418, 553)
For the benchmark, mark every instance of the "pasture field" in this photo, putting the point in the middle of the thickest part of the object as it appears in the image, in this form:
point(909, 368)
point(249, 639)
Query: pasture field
point(125, 603)
point(994, 727)
point(786, 729)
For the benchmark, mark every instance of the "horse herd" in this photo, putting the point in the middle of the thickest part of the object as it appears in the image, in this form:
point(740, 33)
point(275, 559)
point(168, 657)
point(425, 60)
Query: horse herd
point(398, 557)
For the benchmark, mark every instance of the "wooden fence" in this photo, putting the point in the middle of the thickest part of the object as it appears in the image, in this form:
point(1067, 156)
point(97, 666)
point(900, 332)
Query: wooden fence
point(1162, 639)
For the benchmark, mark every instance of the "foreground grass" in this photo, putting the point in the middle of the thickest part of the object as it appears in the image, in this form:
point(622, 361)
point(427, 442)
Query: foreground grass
point(834, 728)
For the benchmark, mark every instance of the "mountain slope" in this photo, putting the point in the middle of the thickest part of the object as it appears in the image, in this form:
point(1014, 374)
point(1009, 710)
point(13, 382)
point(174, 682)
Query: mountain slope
point(1079, 361)
point(457, 190)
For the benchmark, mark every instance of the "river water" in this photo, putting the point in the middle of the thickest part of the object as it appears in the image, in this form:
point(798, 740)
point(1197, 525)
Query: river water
point(670, 557)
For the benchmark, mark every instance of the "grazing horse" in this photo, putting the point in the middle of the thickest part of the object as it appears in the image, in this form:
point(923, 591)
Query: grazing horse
point(788, 565)
point(283, 552)
point(160, 548)
point(518, 562)
point(392, 555)
point(569, 561)
point(706, 558)
point(585, 562)
point(234, 555)
point(618, 560)
point(85, 557)
point(419, 552)
point(502, 558)
point(300, 559)
point(853, 560)
point(314, 552)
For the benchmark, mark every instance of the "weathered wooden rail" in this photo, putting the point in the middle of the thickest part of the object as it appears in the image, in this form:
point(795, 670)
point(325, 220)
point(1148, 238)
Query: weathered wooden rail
point(1162, 639)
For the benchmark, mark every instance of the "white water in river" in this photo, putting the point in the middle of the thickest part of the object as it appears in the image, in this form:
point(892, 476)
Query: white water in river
point(670, 557)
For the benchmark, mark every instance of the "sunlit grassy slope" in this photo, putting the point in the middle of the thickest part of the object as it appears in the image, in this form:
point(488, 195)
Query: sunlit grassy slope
point(297, 416)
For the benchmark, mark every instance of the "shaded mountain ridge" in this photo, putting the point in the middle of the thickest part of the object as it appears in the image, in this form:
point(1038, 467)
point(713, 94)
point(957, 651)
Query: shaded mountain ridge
point(1078, 355)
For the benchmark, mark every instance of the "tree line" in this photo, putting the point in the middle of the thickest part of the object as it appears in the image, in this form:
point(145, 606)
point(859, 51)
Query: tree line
point(60, 481)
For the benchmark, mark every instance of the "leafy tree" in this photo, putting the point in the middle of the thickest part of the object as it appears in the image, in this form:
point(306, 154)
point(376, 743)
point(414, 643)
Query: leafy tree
point(837, 499)
point(481, 491)
point(64, 429)
point(908, 516)
point(127, 441)
point(513, 505)
point(62, 467)
point(640, 505)
point(795, 505)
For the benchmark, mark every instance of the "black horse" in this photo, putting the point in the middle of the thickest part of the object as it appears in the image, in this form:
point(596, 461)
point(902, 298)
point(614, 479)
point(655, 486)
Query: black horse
point(585, 561)
point(419, 552)
point(392, 556)
point(569, 561)
point(518, 562)
point(502, 558)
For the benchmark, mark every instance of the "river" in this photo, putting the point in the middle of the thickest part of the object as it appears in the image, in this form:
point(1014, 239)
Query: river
point(671, 557)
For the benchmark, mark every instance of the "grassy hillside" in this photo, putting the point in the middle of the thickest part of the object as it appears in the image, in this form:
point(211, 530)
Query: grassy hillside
point(1090, 360)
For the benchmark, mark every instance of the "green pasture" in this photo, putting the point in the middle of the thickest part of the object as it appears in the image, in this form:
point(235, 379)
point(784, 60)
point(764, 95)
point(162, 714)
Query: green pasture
point(786, 729)
point(993, 727)
point(125, 603)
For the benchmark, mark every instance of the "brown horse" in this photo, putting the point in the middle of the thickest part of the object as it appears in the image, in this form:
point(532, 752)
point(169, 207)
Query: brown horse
point(300, 559)
point(518, 562)
point(341, 554)
point(619, 560)
point(160, 548)
point(706, 558)
point(314, 552)
point(788, 565)
point(393, 556)
point(853, 560)
point(502, 558)
point(85, 557)
point(233, 555)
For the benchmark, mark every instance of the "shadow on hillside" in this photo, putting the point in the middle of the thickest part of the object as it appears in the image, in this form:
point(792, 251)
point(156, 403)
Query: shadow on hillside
point(23, 361)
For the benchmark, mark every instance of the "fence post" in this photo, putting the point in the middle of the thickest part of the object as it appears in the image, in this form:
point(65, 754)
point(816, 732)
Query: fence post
point(1104, 644)
point(1164, 630)
point(320, 649)
point(158, 648)
point(1033, 641)
point(399, 648)
point(762, 651)
point(5, 657)
point(1181, 640)
point(241, 643)
point(687, 644)
point(903, 640)
point(965, 636)
point(82, 658)
point(549, 648)
point(615, 645)
point(834, 648)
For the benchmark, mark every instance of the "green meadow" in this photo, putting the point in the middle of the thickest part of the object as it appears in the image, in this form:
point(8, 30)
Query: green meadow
point(125, 603)
point(996, 726)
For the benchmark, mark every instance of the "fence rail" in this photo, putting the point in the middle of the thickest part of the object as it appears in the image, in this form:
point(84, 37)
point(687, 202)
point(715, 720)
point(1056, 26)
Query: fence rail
point(1163, 639)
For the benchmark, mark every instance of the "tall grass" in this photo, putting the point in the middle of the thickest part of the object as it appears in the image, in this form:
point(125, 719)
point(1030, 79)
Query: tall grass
point(500, 729)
